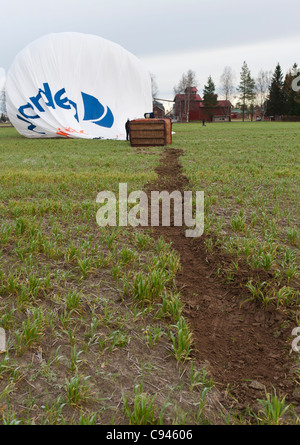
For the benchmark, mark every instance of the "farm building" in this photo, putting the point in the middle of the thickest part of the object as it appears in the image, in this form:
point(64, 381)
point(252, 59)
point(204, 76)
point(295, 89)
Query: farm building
point(158, 110)
point(190, 105)
point(256, 114)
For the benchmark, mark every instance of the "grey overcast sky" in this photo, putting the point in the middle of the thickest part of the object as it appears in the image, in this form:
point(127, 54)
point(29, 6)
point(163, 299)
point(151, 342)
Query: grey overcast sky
point(169, 36)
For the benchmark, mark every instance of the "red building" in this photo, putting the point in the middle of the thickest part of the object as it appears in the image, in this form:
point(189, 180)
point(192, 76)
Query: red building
point(190, 107)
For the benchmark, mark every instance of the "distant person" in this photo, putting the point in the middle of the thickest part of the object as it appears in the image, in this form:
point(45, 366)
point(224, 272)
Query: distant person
point(203, 123)
point(127, 127)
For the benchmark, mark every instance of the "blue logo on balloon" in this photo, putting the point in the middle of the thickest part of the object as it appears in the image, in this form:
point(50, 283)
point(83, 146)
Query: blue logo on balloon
point(94, 111)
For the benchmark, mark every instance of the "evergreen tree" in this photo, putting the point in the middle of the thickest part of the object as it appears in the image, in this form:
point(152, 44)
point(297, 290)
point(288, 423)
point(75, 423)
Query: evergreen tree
point(246, 88)
point(210, 99)
point(276, 101)
point(291, 95)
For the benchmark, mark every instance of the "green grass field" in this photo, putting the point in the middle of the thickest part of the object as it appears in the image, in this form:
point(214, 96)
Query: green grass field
point(250, 175)
point(93, 318)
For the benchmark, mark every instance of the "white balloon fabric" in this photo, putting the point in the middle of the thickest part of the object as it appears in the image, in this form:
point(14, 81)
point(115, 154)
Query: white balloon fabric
point(76, 85)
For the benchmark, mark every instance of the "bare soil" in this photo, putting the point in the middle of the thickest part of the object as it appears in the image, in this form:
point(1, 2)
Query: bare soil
point(247, 347)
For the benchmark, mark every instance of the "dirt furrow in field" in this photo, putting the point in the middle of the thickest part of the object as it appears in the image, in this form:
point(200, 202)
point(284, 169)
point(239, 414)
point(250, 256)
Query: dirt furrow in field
point(247, 347)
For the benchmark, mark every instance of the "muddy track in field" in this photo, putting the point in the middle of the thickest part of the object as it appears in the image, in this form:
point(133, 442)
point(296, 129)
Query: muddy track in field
point(245, 346)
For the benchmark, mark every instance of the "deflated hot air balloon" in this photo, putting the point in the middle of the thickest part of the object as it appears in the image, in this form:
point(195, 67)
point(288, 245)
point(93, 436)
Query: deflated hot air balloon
point(76, 85)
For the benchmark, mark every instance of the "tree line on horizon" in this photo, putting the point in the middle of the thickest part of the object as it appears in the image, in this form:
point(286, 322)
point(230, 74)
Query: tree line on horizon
point(273, 94)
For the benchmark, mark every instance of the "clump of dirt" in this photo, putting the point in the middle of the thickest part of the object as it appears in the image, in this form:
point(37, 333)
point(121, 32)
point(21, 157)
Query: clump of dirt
point(246, 346)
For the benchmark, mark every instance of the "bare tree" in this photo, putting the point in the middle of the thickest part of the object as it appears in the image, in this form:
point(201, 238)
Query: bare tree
point(187, 81)
point(3, 112)
point(227, 88)
point(154, 86)
point(262, 86)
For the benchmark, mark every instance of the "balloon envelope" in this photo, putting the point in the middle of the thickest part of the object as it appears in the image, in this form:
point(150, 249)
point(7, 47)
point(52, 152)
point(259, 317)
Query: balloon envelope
point(76, 85)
